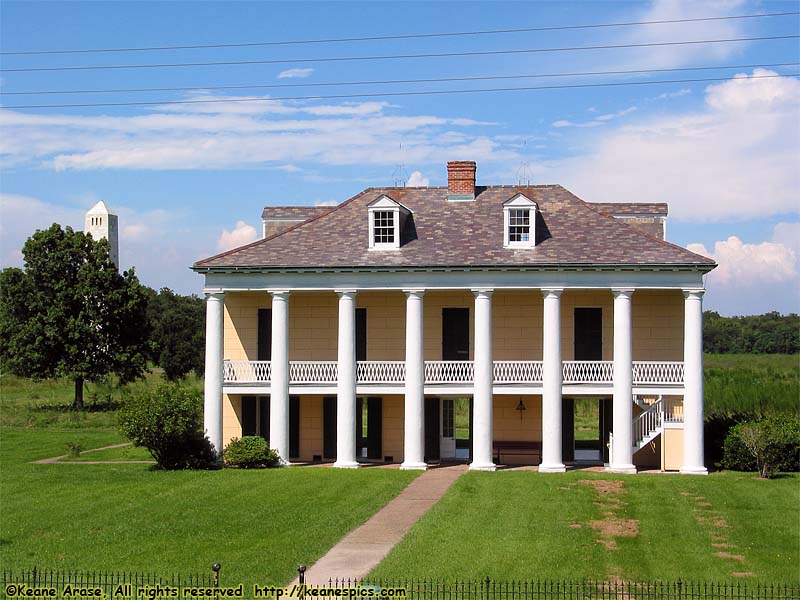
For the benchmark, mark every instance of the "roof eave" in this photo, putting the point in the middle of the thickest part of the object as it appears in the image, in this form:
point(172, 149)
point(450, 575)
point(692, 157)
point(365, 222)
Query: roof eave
point(702, 267)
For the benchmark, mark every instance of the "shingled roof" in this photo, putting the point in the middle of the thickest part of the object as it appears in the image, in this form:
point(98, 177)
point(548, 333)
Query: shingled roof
point(299, 213)
point(569, 231)
point(631, 208)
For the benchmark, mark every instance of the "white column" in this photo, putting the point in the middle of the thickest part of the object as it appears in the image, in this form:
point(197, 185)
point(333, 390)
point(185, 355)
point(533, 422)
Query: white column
point(414, 420)
point(346, 383)
point(279, 382)
point(622, 449)
point(552, 375)
point(693, 458)
point(212, 399)
point(484, 381)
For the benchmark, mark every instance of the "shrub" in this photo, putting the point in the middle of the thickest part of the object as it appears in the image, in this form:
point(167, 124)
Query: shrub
point(168, 422)
point(736, 456)
point(717, 428)
point(74, 449)
point(250, 452)
point(770, 446)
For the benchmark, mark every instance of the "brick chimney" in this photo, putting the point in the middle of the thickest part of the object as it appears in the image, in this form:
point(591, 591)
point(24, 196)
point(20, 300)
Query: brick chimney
point(461, 180)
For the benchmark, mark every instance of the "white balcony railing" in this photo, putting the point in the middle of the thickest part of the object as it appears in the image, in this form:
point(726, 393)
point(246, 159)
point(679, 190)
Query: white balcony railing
point(381, 371)
point(454, 372)
point(517, 371)
point(588, 371)
point(313, 371)
point(665, 372)
point(449, 371)
point(249, 371)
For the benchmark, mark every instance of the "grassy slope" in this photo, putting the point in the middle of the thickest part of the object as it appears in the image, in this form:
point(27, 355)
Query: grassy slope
point(518, 525)
point(258, 524)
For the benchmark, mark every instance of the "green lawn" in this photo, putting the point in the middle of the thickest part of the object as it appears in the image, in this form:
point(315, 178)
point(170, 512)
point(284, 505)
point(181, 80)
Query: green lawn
point(522, 525)
point(258, 524)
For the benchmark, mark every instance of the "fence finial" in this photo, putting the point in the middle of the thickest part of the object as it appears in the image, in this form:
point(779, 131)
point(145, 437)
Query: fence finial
point(216, 567)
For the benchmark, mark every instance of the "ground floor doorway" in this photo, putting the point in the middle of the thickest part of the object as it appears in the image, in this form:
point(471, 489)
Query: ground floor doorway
point(586, 429)
point(448, 429)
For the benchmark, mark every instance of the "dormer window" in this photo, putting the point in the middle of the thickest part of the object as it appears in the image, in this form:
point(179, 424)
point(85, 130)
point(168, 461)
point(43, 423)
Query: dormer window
point(519, 222)
point(383, 230)
point(386, 220)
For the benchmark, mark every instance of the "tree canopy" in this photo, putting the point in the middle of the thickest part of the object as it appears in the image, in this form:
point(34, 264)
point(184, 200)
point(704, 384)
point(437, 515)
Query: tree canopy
point(177, 332)
point(770, 333)
point(70, 313)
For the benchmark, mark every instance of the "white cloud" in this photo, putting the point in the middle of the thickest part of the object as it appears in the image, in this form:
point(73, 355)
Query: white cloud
point(677, 94)
point(240, 235)
point(788, 234)
point(748, 264)
point(677, 56)
point(735, 158)
point(292, 73)
point(230, 135)
point(417, 180)
point(598, 120)
point(754, 278)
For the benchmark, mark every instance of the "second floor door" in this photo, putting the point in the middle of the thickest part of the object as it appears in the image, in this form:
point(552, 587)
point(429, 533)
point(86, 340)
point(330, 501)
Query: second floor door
point(455, 334)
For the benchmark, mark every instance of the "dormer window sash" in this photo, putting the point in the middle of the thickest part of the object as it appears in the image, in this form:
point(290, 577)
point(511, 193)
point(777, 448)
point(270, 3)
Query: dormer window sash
point(519, 222)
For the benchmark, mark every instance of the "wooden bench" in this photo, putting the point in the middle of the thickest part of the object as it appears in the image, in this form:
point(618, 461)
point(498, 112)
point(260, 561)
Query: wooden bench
point(516, 447)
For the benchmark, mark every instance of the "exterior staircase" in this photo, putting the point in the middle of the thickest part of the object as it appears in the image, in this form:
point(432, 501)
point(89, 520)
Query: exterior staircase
point(649, 424)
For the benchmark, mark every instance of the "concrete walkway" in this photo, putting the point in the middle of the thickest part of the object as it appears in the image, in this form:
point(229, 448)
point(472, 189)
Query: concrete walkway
point(58, 460)
point(363, 548)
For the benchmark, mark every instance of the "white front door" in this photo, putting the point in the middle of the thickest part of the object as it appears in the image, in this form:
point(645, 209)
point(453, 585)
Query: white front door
point(448, 441)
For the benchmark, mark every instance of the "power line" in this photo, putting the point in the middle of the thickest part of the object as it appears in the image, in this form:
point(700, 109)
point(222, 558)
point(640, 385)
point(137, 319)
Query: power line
point(392, 94)
point(390, 81)
point(397, 56)
point(400, 36)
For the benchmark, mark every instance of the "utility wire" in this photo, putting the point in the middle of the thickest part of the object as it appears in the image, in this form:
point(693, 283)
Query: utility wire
point(400, 36)
point(392, 94)
point(390, 81)
point(397, 56)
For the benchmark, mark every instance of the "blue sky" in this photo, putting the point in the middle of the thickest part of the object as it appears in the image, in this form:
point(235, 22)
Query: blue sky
point(188, 180)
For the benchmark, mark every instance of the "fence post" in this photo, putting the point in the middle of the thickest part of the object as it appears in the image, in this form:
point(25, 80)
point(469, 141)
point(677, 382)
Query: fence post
point(216, 567)
point(301, 578)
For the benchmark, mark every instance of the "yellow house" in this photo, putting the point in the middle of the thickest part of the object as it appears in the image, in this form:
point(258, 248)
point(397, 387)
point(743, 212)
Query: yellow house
point(419, 325)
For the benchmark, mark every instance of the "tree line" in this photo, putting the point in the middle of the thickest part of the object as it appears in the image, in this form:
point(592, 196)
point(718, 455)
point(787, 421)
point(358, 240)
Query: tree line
point(770, 333)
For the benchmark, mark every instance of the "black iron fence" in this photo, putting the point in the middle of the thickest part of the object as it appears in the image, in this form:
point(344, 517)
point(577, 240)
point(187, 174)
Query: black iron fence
point(488, 589)
point(40, 583)
point(36, 583)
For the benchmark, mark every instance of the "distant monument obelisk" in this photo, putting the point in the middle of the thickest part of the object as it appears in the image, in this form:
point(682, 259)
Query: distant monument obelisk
point(102, 223)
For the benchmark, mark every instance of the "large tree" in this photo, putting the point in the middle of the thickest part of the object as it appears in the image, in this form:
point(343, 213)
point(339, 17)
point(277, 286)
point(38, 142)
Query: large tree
point(178, 337)
point(69, 313)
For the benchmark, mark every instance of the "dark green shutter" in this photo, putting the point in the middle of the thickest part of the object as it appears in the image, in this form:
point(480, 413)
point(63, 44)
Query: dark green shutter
point(374, 427)
point(361, 334)
point(568, 429)
point(329, 427)
point(360, 426)
point(263, 417)
point(294, 426)
point(432, 429)
point(264, 334)
point(606, 425)
point(248, 415)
